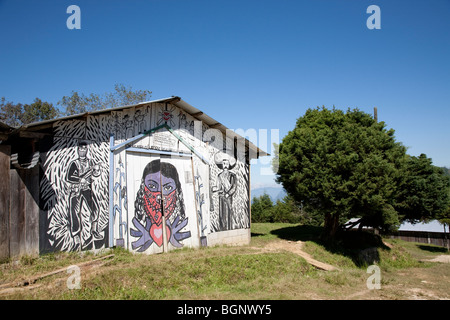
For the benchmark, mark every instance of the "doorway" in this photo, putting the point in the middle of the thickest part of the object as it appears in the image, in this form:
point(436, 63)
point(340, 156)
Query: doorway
point(161, 202)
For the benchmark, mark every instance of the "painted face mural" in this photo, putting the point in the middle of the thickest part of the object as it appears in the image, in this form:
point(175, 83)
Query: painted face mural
point(156, 188)
point(159, 195)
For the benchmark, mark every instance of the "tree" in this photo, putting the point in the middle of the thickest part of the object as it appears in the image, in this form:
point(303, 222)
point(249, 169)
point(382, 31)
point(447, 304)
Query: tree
point(342, 165)
point(19, 114)
point(11, 113)
point(446, 171)
point(39, 111)
point(444, 219)
point(261, 208)
point(423, 192)
point(288, 211)
point(80, 103)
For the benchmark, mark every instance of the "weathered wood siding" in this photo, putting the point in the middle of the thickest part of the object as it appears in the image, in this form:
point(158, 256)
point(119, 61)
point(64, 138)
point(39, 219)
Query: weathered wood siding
point(5, 153)
point(19, 217)
point(436, 238)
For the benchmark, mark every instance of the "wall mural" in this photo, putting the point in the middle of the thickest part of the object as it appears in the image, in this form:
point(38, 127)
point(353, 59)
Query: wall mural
point(74, 187)
point(226, 187)
point(121, 201)
point(200, 198)
point(165, 115)
point(79, 176)
point(159, 182)
point(229, 193)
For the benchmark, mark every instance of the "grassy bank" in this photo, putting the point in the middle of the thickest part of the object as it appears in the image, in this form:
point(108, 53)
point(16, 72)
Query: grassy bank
point(247, 272)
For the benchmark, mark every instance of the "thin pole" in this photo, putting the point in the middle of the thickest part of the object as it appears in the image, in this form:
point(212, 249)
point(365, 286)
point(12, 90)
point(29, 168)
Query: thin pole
point(111, 191)
point(197, 205)
point(165, 240)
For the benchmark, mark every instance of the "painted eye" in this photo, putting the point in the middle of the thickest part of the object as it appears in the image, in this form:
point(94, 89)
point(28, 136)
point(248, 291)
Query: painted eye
point(152, 185)
point(168, 187)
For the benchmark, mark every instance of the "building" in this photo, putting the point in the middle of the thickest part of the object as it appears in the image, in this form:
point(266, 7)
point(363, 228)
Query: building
point(150, 177)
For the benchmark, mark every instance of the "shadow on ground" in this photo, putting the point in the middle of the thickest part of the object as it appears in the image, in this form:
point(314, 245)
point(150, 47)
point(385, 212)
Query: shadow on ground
point(432, 248)
point(256, 234)
point(360, 246)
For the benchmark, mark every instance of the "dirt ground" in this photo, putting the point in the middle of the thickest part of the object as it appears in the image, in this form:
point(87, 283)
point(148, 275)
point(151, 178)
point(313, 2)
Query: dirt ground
point(430, 282)
point(296, 247)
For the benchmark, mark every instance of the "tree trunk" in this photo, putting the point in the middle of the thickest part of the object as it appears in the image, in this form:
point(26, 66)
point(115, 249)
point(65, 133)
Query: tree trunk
point(331, 226)
point(446, 238)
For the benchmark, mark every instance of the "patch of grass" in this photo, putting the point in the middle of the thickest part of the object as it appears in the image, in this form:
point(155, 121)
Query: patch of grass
point(417, 250)
point(191, 276)
point(319, 252)
point(225, 272)
point(264, 232)
point(29, 266)
point(397, 258)
point(349, 249)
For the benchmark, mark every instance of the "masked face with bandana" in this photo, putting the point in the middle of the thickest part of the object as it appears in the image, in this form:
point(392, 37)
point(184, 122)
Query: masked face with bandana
point(158, 187)
point(159, 195)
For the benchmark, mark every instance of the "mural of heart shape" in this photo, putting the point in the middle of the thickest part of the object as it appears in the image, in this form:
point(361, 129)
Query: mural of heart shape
point(167, 116)
point(156, 232)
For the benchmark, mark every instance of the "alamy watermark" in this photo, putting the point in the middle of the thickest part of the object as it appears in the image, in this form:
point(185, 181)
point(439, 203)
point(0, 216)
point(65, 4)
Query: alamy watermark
point(374, 21)
point(74, 20)
point(374, 281)
point(74, 281)
point(236, 144)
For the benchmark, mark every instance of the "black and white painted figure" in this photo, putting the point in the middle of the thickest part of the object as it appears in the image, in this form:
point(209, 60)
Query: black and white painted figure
point(225, 187)
point(139, 119)
point(80, 174)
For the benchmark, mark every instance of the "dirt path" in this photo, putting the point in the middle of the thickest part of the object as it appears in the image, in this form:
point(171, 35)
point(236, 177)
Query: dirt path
point(441, 258)
point(296, 247)
point(429, 283)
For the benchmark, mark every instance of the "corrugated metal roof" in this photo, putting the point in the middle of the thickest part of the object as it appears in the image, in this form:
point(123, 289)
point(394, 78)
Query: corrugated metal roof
point(175, 100)
point(432, 226)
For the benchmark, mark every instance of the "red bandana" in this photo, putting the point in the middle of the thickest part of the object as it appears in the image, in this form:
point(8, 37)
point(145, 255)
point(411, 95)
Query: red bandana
point(152, 207)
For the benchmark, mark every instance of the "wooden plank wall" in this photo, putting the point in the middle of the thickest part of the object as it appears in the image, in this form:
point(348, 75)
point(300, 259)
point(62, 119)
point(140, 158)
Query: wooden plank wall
point(24, 212)
point(19, 209)
point(17, 215)
point(436, 238)
point(32, 226)
point(5, 153)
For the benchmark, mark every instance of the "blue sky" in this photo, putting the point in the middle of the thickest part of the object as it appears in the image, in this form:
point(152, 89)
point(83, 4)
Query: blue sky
point(249, 64)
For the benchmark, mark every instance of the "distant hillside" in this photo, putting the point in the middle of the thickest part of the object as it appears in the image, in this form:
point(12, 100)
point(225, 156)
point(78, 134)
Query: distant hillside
point(275, 193)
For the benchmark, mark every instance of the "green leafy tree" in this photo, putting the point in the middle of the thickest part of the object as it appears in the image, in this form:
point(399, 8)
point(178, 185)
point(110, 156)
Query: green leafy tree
point(17, 114)
point(446, 171)
point(289, 211)
point(39, 111)
point(444, 219)
point(121, 96)
point(423, 192)
point(261, 208)
point(11, 113)
point(342, 165)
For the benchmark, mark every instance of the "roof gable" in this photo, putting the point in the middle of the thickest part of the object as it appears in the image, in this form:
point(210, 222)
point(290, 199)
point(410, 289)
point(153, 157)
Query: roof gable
point(174, 100)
